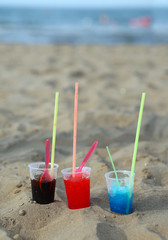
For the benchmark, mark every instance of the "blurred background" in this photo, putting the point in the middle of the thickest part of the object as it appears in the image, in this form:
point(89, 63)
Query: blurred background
point(81, 22)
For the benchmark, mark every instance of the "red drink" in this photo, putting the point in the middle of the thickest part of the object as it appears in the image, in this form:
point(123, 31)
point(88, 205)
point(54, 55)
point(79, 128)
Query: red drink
point(77, 189)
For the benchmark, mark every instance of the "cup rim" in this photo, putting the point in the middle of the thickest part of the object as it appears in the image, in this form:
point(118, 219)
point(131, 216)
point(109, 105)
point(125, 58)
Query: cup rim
point(118, 171)
point(65, 171)
point(31, 166)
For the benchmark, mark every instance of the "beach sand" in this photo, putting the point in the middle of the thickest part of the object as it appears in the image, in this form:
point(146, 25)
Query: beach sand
point(111, 80)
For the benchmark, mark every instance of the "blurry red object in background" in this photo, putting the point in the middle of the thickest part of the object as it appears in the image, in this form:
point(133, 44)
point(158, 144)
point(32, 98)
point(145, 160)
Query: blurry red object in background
point(141, 22)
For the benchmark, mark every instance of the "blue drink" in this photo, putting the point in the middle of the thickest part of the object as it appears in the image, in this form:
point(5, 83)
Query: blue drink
point(120, 196)
point(119, 199)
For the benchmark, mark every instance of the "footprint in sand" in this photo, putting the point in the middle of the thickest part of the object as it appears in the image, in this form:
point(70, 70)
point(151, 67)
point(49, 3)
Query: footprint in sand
point(106, 231)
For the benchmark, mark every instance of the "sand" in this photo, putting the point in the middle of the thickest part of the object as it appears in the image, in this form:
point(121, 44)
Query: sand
point(111, 80)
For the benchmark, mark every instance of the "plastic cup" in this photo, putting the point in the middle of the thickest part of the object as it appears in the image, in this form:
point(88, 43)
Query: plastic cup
point(77, 187)
point(43, 192)
point(120, 196)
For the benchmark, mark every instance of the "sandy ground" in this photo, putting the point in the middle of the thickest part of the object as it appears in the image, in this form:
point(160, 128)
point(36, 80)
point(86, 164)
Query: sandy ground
point(111, 80)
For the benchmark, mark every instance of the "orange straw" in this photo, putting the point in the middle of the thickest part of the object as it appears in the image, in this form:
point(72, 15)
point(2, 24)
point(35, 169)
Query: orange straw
point(75, 128)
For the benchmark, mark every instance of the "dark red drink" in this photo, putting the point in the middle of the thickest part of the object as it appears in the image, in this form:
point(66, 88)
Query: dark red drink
point(43, 192)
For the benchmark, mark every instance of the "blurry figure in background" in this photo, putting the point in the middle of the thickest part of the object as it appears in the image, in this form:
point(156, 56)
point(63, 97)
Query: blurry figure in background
point(104, 19)
point(142, 22)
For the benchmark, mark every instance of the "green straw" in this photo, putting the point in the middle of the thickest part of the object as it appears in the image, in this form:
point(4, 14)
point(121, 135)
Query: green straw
point(112, 164)
point(137, 134)
point(54, 129)
point(136, 147)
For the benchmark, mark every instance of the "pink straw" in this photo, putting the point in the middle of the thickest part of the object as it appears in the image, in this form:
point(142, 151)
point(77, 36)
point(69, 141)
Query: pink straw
point(75, 128)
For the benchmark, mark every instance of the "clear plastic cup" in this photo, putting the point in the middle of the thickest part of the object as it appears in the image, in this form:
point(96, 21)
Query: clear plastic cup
point(77, 187)
point(42, 192)
point(120, 194)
